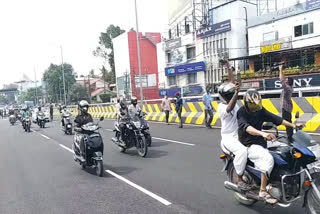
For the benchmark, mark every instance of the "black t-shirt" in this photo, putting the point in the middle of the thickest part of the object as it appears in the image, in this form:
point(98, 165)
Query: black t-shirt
point(82, 119)
point(255, 120)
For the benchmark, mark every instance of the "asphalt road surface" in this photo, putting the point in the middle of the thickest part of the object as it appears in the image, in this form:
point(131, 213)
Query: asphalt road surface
point(181, 174)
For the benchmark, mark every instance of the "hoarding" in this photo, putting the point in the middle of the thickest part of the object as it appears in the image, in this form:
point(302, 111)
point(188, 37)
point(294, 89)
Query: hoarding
point(185, 69)
point(311, 4)
point(214, 29)
point(280, 44)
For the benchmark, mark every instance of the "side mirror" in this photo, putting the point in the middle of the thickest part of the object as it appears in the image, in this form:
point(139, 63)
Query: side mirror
point(267, 126)
point(297, 115)
point(101, 118)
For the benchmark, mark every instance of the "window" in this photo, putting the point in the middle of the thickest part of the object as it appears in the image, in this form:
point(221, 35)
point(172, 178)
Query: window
point(191, 53)
point(177, 30)
point(221, 45)
point(192, 78)
point(172, 80)
point(225, 44)
point(186, 26)
point(215, 75)
point(204, 49)
point(169, 34)
point(214, 47)
point(270, 36)
point(217, 45)
point(210, 48)
point(169, 57)
point(218, 74)
point(302, 30)
point(207, 46)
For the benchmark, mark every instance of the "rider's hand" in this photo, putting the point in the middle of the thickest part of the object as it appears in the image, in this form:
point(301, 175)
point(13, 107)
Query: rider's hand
point(300, 125)
point(237, 86)
point(269, 136)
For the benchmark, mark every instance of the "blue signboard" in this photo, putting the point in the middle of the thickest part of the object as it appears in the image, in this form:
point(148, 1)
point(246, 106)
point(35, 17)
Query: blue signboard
point(185, 69)
point(214, 29)
point(310, 4)
point(169, 92)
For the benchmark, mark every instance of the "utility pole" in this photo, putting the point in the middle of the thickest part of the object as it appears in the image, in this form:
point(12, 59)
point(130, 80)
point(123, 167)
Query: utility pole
point(139, 57)
point(35, 80)
point(64, 83)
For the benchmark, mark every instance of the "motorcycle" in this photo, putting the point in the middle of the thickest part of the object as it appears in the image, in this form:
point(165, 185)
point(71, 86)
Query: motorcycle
point(26, 123)
point(133, 136)
point(12, 119)
point(296, 172)
point(145, 128)
point(67, 128)
point(41, 119)
point(93, 145)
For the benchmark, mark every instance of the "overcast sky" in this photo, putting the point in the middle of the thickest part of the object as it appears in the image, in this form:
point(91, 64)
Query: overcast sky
point(33, 30)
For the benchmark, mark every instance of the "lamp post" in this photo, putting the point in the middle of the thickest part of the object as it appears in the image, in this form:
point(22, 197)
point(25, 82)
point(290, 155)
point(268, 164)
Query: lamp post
point(64, 83)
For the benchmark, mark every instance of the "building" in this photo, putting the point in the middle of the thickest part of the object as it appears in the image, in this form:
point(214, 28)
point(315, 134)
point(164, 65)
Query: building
point(290, 35)
point(95, 87)
point(126, 64)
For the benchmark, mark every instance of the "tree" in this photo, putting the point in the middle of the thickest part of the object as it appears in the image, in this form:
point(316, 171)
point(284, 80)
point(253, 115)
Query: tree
point(30, 95)
point(77, 93)
point(107, 76)
point(3, 100)
point(54, 81)
point(105, 48)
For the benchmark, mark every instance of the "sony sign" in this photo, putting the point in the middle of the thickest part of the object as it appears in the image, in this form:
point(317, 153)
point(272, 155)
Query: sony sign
point(298, 82)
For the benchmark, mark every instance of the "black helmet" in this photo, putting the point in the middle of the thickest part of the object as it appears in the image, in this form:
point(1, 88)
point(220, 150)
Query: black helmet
point(64, 107)
point(226, 92)
point(123, 104)
point(252, 100)
point(39, 108)
point(134, 100)
point(84, 106)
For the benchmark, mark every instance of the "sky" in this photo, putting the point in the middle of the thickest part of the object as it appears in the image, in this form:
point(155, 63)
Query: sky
point(32, 32)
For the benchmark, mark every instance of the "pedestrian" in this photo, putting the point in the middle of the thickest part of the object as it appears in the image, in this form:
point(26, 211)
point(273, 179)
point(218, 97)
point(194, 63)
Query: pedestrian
point(166, 107)
point(179, 105)
point(208, 110)
point(286, 102)
point(51, 112)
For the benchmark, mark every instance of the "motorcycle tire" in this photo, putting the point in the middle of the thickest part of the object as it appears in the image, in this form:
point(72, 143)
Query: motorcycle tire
point(149, 140)
point(142, 147)
point(83, 165)
point(312, 205)
point(99, 168)
point(123, 150)
point(232, 176)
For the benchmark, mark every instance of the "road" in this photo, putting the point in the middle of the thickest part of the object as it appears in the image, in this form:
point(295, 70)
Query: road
point(181, 174)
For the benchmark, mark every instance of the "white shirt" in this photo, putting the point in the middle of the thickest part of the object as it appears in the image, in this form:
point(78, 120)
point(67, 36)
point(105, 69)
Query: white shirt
point(229, 123)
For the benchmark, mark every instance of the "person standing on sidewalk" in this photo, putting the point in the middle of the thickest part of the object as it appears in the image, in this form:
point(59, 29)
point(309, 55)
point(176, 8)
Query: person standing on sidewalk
point(208, 110)
point(286, 102)
point(179, 104)
point(166, 108)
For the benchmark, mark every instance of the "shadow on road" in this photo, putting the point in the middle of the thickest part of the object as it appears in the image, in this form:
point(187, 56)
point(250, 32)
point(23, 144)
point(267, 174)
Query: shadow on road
point(121, 170)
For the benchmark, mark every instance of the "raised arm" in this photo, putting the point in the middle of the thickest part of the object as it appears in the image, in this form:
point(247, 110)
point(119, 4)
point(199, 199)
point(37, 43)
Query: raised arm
point(230, 72)
point(234, 99)
point(281, 74)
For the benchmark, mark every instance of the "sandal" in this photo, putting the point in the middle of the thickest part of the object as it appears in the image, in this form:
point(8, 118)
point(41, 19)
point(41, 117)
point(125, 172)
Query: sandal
point(267, 197)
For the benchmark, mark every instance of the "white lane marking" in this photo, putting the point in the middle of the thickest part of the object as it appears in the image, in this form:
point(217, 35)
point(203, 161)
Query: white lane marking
point(158, 138)
point(68, 149)
point(147, 192)
point(173, 141)
point(162, 200)
point(46, 137)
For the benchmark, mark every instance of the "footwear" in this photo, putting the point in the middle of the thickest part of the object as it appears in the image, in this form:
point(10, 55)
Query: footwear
point(209, 127)
point(267, 197)
point(180, 127)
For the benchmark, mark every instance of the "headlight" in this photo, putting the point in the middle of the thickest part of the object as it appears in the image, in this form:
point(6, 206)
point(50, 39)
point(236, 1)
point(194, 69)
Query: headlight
point(137, 124)
point(69, 126)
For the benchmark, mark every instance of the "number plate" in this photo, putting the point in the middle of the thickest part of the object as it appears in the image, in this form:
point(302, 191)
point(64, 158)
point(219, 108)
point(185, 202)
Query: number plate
point(314, 165)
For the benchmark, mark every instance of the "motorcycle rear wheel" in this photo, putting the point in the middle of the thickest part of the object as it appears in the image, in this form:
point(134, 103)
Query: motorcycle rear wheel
point(142, 147)
point(242, 199)
point(312, 203)
point(99, 168)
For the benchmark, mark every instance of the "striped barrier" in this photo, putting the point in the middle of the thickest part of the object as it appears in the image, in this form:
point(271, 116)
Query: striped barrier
point(193, 112)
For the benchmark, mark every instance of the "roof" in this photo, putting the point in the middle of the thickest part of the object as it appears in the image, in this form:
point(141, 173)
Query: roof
point(96, 92)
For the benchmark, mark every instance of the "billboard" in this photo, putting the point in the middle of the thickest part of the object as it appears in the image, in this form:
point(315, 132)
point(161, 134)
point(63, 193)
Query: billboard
point(185, 69)
point(214, 29)
point(175, 6)
point(311, 4)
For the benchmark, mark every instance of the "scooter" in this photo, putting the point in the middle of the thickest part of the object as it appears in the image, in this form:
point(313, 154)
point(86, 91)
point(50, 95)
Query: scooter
point(26, 123)
point(296, 172)
point(12, 119)
point(67, 128)
point(93, 145)
point(41, 119)
point(145, 128)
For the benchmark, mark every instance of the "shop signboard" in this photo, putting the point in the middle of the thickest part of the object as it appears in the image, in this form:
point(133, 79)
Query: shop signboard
point(298, 82)
point(281, 44)
point(185, 69)
point(173, 44)
point(214, 29)
point(257, 84)
point(311, 4)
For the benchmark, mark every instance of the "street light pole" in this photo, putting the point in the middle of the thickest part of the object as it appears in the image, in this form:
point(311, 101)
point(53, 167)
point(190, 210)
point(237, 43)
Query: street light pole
point(35, 80)
point(138, 47)
point(64, 83)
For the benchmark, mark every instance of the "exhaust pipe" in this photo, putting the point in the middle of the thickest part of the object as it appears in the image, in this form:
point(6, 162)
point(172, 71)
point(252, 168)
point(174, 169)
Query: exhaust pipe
point(231, 186)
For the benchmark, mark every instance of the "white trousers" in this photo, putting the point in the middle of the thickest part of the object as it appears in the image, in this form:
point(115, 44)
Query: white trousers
point(262, 159)
point(232, 144)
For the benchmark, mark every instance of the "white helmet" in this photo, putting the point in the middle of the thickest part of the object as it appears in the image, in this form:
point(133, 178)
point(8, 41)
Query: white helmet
point(84, 106)
point(226, 92)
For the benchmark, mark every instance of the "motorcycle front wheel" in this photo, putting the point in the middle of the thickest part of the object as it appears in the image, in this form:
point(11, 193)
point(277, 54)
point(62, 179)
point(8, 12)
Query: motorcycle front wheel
point(149, 140)
point(233, 177)
point(312, 202)
point(99, 168)
point(142, 147)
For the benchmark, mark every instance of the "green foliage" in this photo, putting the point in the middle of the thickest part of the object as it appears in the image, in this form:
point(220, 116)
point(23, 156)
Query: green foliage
point(3, 100)
point(105, 48)
point(54, 81)
point(78, 93)
point(30, 94)
point(105, 98)
point(292, 70)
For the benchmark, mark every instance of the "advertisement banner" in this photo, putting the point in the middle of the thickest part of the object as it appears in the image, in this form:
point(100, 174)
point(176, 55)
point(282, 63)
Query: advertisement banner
point(178, 56)
point(172, 44)
point(185, 69)
point(214, 29)
point(281, 44)
point(311, 4)
point(298, 82)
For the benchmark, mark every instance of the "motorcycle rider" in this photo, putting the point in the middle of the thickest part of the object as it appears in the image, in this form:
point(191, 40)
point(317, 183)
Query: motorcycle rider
point(134, 108)
point(83, 118)
point(250, 117)
point(123, 117)
point(38, 112)
point(64, 112)
point(24, 113)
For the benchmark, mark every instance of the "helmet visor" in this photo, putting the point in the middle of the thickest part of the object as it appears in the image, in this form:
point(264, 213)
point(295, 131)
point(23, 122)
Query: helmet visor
point(254, 107)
